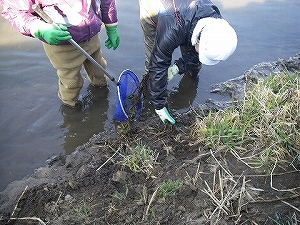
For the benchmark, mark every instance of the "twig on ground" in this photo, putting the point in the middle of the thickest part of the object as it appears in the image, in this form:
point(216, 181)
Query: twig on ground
point(271, 181)
point(291, 205)
point(221, 185)
point(225, 199)
point(198, 157)
point(243, 189)
point(107, 160)
point(218, 202)
point(16, 206)
point(191, 161)
point(196, 174)
point(295, 159)
point(228, 173)
point(150, 202)
point(29, 218)
point(274, 200)
point(60, 194)
point(193, 181)
point(229, 193)
point(236, 155)
point(22, 218)
point(274, 174)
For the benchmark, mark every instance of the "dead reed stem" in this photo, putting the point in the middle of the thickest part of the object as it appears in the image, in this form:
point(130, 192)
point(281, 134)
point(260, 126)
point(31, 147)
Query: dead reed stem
point(16, 206)
point(150, 202)
point(108, 160)
point(290, 205)
point(23, 218)
point(29, 218)
point(271, 181)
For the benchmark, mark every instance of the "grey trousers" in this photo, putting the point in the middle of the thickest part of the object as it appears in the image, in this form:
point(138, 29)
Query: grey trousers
point(148, 19)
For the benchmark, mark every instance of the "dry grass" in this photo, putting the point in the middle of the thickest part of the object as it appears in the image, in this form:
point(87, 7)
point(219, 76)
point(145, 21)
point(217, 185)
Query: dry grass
point(141, 159)
point(261, 129)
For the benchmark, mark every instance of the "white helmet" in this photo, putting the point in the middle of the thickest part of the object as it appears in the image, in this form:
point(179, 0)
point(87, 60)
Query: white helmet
point(218, 40)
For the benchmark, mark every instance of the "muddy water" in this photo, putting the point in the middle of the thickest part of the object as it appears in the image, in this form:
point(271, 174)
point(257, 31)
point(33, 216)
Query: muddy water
point(34, 127)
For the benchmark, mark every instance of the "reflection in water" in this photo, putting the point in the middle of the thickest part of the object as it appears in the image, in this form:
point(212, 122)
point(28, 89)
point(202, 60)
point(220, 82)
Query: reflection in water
point(236, 4)
point(239, 3)
point(185, 94)
point(86, 119)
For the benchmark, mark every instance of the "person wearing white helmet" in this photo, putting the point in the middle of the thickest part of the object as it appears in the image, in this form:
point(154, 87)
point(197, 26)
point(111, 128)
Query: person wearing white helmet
point(214, 39)
point(197, 27)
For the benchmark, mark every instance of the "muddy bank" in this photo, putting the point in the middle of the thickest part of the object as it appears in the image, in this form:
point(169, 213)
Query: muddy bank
point(91, 186)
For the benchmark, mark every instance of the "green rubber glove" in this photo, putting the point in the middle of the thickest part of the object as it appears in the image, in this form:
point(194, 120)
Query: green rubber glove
point(172, 71)
point(113, 38)
point(52, 35)
point(164, 115)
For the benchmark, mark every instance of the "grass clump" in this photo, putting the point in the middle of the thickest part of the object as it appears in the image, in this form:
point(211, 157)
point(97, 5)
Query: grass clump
point(122, 195)
point(169, 187)
point(220, 128)
point(85, 210)
point(141, 159)
point(266, 123)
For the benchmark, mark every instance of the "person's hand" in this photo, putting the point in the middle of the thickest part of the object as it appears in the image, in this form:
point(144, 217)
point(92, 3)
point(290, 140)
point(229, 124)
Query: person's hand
point(172, 71)
point(50, 34)
point(164, 115)
point(113, 38)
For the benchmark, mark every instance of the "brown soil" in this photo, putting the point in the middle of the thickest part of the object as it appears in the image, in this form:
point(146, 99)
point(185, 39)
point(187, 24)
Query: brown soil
point(92, 186)
point(75, 192)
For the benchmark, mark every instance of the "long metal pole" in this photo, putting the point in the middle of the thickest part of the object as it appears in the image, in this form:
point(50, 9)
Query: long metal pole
point(47, 19)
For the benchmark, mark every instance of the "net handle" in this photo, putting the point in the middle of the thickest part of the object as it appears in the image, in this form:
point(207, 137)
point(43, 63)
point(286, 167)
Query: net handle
point(47, 19)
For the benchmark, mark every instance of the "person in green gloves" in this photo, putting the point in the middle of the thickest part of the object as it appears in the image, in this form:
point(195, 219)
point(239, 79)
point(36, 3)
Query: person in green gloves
point(194, 26)
point(77, 19)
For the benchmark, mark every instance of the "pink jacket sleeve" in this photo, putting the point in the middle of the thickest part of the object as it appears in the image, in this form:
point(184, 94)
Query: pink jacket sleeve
point(20, 15)
point(109, 12)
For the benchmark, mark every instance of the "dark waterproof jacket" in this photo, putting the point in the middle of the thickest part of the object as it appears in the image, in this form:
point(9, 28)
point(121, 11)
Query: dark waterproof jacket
point(175, 28)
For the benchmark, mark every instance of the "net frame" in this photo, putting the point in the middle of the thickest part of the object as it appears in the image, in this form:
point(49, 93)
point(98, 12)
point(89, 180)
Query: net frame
point(129, 104)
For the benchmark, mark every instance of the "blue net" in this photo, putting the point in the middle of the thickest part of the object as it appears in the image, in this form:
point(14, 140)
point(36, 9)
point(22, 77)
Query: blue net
point(129, 105)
